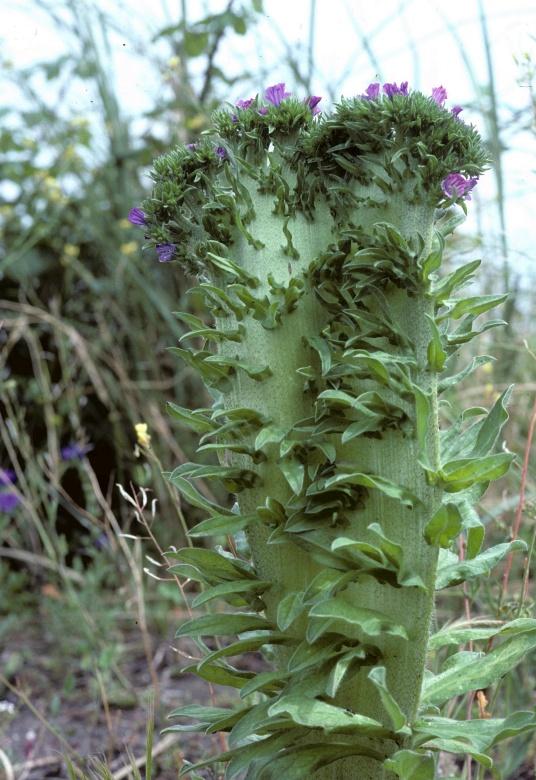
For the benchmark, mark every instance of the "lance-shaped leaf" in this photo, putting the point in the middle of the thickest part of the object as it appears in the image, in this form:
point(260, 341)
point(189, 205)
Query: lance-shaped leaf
point(316, 714)
point(452, 571)
point(454, 281)
point(482, 734)
point(458, 307)
point(435, 352)
point(378, 678)
point(297, 763)
point(460, 635)
point(212, 565)
point(373, 481)
point(289, 608)
point(472, 674)
point(335, 613)
point(194, 497)
point(455, 379)
point(223, 624)
point(251, 644)
point(196, 420)
point(342, 665)
point(218, 525)
point(220, 674)
point(228, 591)
point(463, 473)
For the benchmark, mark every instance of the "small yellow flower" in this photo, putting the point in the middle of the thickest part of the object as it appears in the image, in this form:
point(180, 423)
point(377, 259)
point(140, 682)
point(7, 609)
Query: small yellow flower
point(142, 436)
point(487, 368)
point(124, 224)
point(129, 248)
point(174, 62)
point(71, 250)
point(51, 183)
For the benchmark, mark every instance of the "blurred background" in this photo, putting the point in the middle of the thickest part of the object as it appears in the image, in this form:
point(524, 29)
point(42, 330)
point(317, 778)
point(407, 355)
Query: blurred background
point(90, 94)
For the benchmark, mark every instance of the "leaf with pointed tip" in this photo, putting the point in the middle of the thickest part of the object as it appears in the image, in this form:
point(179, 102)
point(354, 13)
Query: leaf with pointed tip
point(455, 379)
point(196, 420)
point(464, 472)
point(341, 667)
point(478, 304)
point(460, 635)
point(267, 682)
point(373, 481)
point(297, 763)
point(452, 571)
point(251, 644)
point(337, 612)
point(289, 608)
point(472, 674)
point(294, 472)
point(222, 624)
point(221, 525)
point(220, 674)
point(461, 276)
point(232, 588)
point(317, 714)
point(194, 497)
point(482, 733)
point(214, 565)
point(378, 678)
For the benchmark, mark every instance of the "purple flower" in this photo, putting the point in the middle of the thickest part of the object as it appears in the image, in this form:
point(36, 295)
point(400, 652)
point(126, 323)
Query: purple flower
point(372, 91)
point(393, 89)
point(74, 451)
point(243, 104)
point(191, 147)
point(276, 94)
point(7, 477)
point(137, 216)
point(456, 111)
point(313, 102)
point(165, 252)
point(8, 501)
point(439, 95)
point(221, 151)
point(457, 186)
point(263, 110)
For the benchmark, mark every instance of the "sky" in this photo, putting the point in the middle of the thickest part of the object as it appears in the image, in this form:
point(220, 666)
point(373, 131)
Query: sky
point(427, 42)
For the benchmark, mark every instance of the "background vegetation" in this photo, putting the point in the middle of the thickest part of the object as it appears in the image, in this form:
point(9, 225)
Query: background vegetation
point(87, 611)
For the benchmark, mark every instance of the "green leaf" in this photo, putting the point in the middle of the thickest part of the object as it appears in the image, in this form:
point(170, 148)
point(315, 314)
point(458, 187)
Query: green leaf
point(444, 526)
point(452, 571)
point(270, 434)
point(481, 733)
point(316, 714)
point(337, 612)
point(378, 678)
point(268, 682)
point(195, 420)
point(455, 379)
point(492, 425)
point(194, 497)
point(220, 674)
point(436, 354)
point(294, 472)
point(341, 667)
point(324, 352)
point(411, 765)
point(221, 525)
point(460, 635)
point(474, 306)
point(366, 480)
point(251, 644)
point(474, 674)
point(460, 747)
point(453, 281)
point(212, 564)
point(289, 608)
point(248, 755)
point(462, 473)
point(222, 624)
point(297, 763)
point(231, 589)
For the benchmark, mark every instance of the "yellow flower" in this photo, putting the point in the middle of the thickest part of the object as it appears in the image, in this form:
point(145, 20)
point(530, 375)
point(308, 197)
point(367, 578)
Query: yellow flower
point(129, 248)
point(51, 183)
point(487, 368)
point(71, 250)
point(124, 224)
point(142, 436)
point(174, 62)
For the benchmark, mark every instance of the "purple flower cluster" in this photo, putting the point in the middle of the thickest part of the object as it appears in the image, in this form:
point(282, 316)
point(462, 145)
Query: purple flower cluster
point(9, 500)
point(455, 185)
point(165, 252)
point(275, 95)
point(439, 94)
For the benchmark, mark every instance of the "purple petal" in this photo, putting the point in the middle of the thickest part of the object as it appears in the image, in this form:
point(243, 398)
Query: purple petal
point(74, 451)
point(7, 477)
point(136, 216)
point(455, 185)
point(456, 111)
point(439, 95)
point(221, 151)
point(372, 92)
point(191, 147)
point(393, 89)
point(243, 104)
point(313, 102)
point(9, 502)
point(165, 252)
point(276, 94)
point(263, 110)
